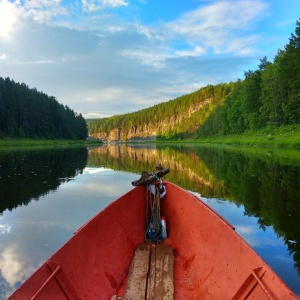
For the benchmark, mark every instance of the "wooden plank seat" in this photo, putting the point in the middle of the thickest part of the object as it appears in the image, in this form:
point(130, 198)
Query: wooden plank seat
point(151, 273)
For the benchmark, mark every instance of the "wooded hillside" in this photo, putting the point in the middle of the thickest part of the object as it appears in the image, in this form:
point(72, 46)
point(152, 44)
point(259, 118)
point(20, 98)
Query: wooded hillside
point(268, 96)
point(177, 118)
point(28, 113)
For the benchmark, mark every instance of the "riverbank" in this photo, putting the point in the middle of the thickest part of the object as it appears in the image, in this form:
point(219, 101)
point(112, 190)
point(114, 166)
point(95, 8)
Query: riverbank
point(282, 137)
point(7, 144)
point(270, 137)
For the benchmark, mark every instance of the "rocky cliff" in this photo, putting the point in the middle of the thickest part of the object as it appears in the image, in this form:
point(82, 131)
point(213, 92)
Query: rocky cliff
point(150, 131)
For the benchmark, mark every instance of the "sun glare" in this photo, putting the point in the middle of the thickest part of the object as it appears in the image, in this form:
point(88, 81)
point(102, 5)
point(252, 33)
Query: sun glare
point(7, 18)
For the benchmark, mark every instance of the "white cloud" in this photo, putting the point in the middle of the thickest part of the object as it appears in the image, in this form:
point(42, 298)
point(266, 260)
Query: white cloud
point(245, 230)
point(149, 58)
point(4, 229)
point(10, 266)
point(154, 34)
point(93, 5)
point(102, 63)
point(37, 10)
point(197, 51)
point(91, 170)
point(105, 73)
point(219, 26)
point(43, 10)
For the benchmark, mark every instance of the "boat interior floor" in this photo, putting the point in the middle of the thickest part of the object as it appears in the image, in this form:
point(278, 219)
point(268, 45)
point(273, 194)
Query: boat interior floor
point(151, 273)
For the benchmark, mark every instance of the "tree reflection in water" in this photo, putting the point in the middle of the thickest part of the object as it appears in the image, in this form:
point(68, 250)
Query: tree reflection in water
point(265, 182)
point(261, 184)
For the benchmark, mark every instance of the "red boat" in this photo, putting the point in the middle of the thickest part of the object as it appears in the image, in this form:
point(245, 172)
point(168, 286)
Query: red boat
point(201, 258)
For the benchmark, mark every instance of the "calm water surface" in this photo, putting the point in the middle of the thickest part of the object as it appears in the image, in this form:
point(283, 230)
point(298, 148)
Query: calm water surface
point(45, 195)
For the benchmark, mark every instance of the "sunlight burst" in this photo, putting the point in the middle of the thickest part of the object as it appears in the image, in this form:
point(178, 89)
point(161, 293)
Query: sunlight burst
point(7, 18)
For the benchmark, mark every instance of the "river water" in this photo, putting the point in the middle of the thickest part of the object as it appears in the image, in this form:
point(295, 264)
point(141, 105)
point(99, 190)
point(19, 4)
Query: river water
point(45, 195)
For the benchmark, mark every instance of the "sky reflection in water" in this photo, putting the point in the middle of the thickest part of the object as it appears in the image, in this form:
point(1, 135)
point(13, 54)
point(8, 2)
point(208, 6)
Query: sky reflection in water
point(30, 234)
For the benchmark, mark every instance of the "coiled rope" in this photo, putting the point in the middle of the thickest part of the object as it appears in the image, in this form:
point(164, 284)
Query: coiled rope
point(153, 222)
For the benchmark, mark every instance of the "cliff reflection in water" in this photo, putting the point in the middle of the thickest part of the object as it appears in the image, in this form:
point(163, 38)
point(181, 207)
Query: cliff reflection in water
point(27, 175)
point(188, 169)
point(267, 185)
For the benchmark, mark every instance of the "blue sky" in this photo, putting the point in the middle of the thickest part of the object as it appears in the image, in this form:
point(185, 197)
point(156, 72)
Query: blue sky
point(108, 57)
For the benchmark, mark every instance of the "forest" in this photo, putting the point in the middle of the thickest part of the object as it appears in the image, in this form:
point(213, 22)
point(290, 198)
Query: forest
point(207, 98)
point(28, 113)
point(267, 97)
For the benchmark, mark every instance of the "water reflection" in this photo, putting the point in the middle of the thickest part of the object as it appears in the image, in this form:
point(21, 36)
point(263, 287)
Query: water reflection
point(39, 229)
point(27, 175)
point(257, 191)
point(268, 188)
point(187, 167)
point(264, 182)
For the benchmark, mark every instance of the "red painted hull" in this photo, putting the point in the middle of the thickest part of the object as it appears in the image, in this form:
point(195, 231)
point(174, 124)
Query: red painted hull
point(211, 260)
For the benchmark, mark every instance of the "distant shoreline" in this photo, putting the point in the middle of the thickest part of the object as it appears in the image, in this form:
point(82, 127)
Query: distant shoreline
point(24, 143)
point(281, 137)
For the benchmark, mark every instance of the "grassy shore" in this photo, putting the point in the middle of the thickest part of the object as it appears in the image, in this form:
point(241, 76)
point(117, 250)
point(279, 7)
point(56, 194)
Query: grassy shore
point(282, 137)
point(7, 144)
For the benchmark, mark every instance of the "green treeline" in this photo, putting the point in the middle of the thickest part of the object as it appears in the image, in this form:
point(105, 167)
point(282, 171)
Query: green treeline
point(267, 97)
point(203, 102)
point(28, 113)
